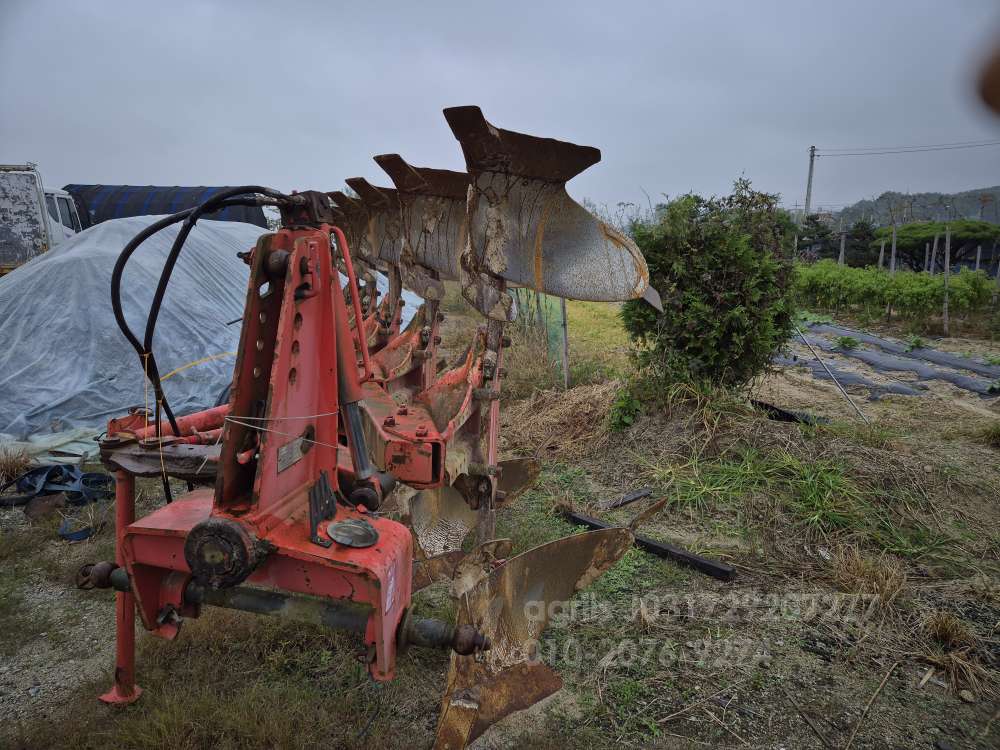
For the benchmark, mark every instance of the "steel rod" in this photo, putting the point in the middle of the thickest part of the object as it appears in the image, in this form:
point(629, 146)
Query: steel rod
point(832, 377)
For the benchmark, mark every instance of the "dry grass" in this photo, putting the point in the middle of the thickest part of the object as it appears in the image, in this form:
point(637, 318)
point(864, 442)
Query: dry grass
point(13, 463)
point(234, 680)
point(882, 576)
point(559, 424)
point(528, 365)
point(990, 435)
point(952, 646)
point(947, 630)
point(963, 671)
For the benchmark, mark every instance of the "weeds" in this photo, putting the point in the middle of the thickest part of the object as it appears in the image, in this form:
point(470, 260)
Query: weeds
point(13, 463)
point(847, 342)
point(990, 435)
point(624, 409)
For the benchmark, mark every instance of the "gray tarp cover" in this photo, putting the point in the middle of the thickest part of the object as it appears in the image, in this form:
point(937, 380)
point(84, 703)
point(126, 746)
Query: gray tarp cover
point(63, 362)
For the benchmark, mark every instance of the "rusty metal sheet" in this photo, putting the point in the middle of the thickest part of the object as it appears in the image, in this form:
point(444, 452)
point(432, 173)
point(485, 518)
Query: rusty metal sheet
point(517, 475)
point(440, 519)
point(511, 607)
point(195, 463)
point(648, 513)
point(510, 218)
point(525, 227)
point(458, 565)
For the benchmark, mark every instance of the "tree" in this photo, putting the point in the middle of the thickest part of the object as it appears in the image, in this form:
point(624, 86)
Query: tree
point(816, 239)
point(725, 284)
point(860, 239)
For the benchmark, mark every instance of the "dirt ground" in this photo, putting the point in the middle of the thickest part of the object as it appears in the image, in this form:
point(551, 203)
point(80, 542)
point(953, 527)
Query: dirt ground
point(865, 611)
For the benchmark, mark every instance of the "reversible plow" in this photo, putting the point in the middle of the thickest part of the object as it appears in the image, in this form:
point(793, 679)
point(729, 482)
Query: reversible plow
point(352, 466)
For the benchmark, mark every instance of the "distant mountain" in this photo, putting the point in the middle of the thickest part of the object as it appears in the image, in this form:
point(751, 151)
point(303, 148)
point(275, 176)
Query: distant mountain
point(909, 207)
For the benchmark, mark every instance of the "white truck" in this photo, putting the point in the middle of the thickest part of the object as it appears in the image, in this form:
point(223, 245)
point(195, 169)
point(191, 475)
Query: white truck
point(32, 218)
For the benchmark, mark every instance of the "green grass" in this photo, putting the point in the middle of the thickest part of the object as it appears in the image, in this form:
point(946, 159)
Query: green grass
point(598, 343)
point(820, 495)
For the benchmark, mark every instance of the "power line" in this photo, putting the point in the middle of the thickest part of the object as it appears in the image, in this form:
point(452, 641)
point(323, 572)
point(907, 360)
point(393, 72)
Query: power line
point(911, 150)
point(978, 141)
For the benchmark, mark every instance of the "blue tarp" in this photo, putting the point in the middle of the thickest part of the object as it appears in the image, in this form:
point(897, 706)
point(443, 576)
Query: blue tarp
point(97, 203)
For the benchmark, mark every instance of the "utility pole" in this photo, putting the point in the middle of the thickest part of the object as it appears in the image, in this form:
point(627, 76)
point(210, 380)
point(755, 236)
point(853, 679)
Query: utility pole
point(996, 289)
point(843, 241)
point(979, 255)
point(809, 182)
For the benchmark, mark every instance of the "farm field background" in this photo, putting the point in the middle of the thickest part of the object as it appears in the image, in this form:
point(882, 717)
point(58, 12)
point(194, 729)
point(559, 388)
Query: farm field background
point(817, 519)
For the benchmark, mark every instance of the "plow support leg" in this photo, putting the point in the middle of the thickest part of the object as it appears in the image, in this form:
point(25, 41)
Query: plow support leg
point(124, 690)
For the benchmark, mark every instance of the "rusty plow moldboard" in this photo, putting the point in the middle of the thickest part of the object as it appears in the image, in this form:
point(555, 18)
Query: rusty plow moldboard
point(511, 606)
point(507, 220)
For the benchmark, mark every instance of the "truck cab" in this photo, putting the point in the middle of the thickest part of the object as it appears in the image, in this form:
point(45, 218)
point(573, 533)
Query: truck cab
point(62, 216)
point(32, 218)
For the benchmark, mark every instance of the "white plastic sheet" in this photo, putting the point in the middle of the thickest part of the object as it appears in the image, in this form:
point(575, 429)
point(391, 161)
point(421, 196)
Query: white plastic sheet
point(63, 362)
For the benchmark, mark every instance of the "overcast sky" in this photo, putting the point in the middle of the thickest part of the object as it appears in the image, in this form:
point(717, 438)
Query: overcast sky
point(678, 96)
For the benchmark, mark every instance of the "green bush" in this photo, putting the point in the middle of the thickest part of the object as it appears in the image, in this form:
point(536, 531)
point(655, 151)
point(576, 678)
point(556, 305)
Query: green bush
point(726, 289)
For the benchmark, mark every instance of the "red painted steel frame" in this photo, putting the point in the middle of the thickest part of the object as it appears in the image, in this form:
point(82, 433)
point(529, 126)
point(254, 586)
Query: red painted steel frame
point(297, 360)
point(283, 429)
point(124, 689)
point(345, 253)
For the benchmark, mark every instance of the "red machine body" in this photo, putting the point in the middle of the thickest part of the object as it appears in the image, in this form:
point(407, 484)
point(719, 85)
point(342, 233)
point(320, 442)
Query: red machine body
point(283, 454)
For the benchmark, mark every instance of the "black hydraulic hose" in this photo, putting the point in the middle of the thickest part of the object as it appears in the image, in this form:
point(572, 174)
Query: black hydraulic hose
point(116, 280)
point(126, 254)
point(168, 268)
point(144, 349)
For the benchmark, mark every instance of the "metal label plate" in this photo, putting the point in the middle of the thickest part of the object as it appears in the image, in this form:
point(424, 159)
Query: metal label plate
point(291, 453)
